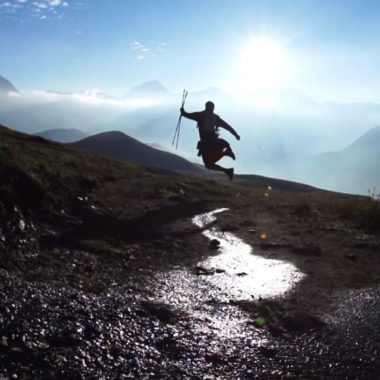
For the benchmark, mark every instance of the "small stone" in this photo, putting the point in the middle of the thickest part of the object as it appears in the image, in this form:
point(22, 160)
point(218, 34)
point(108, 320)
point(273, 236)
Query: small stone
point(214, 244)
point(160, 311)
point(204, 271)
point(42, 346)
point(22, 225)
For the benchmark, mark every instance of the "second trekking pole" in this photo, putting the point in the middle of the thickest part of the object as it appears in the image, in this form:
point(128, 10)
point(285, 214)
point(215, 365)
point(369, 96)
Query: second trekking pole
point(178, 128)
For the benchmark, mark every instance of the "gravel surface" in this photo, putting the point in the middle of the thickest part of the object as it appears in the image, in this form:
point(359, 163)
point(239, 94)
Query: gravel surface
point(48, 332)
point(176, 322)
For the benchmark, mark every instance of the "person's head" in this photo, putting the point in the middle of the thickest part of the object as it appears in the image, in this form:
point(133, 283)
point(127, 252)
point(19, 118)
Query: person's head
point(209, 106)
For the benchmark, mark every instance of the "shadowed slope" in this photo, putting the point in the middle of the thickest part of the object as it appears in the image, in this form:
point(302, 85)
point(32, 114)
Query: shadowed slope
point(35, 171)
point(120, 146)
point(355, 168)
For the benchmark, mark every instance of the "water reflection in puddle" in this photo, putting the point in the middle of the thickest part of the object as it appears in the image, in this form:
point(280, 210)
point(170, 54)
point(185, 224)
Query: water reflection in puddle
point(245, 274)
point(237, 275)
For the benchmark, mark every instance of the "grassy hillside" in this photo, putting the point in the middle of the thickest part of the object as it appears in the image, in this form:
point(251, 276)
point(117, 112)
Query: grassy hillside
point(34, 170)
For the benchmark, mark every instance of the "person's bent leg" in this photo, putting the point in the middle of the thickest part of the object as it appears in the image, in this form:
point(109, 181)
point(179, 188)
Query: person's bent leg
point(212, 166)
point(228, 172)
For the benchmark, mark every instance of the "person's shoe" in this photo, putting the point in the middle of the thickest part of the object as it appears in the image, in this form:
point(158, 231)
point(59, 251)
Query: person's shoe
point(228, 152)
point(230, 173)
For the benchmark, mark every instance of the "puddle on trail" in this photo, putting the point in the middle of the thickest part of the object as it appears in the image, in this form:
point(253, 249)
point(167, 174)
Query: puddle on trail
point(235, 273)
point(246, 275)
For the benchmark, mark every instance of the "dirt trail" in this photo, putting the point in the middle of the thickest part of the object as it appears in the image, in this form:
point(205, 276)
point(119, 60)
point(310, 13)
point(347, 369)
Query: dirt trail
point(178, 305)
point(232, 300)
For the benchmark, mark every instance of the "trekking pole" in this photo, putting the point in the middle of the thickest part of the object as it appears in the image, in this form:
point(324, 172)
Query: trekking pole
point(178, 122)
point(178, 128)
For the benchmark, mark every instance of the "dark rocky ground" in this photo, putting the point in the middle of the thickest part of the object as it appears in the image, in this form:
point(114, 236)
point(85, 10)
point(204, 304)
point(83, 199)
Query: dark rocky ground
point(88, 295)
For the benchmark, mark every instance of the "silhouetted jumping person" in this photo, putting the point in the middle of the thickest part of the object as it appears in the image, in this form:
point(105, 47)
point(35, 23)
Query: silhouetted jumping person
point(211, 147)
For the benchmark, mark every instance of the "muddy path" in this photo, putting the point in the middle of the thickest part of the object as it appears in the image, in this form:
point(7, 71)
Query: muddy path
point(238, 293)
point(234, 298)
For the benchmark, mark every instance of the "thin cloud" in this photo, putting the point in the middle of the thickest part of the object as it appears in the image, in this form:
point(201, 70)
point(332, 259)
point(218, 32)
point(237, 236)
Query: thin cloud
point(7, 6)
point(141, 51)
point(54, 3)
point(23, 111)
point(91, 97)
point(40, 5)
point(139, 47)
point(40, 9)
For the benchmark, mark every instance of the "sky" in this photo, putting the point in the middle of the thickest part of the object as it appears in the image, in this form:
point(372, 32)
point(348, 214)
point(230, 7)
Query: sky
point(328, 49)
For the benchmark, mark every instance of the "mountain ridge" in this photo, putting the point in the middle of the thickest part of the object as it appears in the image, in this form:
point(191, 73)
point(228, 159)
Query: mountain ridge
point(152, 88)
point(354, 168)
point(6, 85)
point(63, 135)
point(371, 138)
point(118, 145)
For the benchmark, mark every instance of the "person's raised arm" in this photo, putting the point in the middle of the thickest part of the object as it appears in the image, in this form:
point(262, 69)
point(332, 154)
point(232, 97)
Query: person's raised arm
point(223, 124)
point(190, 115)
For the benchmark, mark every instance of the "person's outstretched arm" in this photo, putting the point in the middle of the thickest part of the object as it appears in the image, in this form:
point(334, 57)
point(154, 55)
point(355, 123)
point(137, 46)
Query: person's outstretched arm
point(223, 124)
point(190, 115)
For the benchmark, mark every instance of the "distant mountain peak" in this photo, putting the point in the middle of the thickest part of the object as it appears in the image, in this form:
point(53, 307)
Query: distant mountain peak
point(370, 138)
point(63, 135)
point(122, 147)
point(152, 88)
point(6, 86)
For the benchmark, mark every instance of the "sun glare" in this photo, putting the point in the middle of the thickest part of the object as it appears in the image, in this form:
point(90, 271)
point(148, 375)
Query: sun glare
point(261, 66)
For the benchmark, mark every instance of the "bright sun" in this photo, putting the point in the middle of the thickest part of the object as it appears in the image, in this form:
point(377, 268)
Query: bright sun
point(261, 66)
